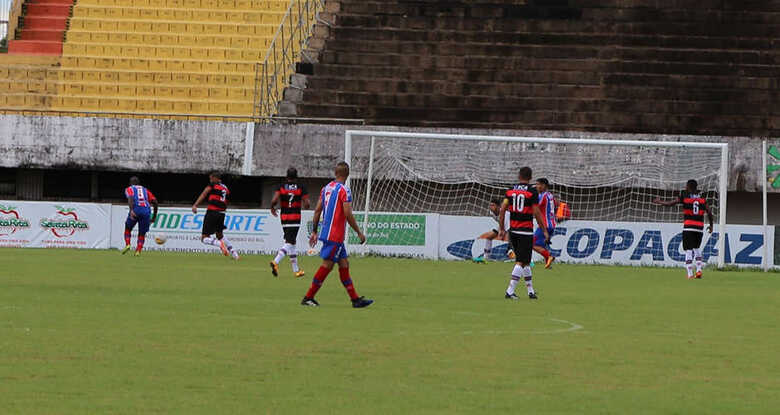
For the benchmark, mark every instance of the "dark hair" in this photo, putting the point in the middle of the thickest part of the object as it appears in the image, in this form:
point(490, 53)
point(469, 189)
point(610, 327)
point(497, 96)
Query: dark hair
point(543, 181)
point(692, 184)
point(496, 201)
point(216, 174)
point(342, 169)
point(292, 173)
point(526, 173)
point(134, 180)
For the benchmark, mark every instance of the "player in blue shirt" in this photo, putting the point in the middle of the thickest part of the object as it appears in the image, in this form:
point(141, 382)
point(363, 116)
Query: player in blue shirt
point(547, 207)
point(139, 200)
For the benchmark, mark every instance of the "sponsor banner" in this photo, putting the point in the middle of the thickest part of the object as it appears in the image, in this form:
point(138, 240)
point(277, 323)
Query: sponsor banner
point(251, 231)
point(398, 234)
point(629, 243)
point(54, 225)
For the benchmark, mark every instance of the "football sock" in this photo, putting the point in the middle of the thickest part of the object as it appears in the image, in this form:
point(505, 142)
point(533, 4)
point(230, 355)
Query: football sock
point(280, 255)
point(227, 243)
point(697, 256)
point(347, 281)
point(488, 247)
point(689, 262)
point(127, 236)
point(517, 273)
point(527, 276)
point(317, 281)
point(294, 258)
point(545, 253)
point(140, 244)
point(211, 241)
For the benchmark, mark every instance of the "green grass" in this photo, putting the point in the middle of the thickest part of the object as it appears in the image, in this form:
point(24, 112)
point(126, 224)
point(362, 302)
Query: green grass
point(96, 332)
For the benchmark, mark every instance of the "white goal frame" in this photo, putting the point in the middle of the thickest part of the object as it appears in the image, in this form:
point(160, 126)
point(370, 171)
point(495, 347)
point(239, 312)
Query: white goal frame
point(351, 135)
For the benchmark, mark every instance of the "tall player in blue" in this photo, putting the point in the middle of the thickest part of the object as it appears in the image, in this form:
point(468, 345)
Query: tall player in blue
point(138, 200)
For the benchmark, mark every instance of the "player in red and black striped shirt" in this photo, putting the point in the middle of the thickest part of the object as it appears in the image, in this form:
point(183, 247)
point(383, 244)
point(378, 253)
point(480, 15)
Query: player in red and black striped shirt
point(215, 194)
point(694, 207)
point(522, 202)
point(291, 197)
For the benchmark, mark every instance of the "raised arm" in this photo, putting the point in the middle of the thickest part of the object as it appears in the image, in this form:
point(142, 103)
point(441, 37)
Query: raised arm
point(202, 197)
point(670, 202)
point(315, 222)
point(352, 222)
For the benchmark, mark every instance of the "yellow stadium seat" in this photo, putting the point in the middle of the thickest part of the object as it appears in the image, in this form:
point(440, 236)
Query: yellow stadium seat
point(16, 100)
point(90, 103)
point(174, 3)
point(143, 27)
point(91, 50)
point(192, 4)
point(90, 89)
point(108, 104)
point(180, 92)
point(166, 14)
point(198, 92)
point(135, 38)
point(109, 76)
point(199, 53)
point(109, 90)
point(126, 77)
point(112, 50)
point(165, 107)
point(199, 107)
point(127, 105)
point(74, 36)
point(145, 105)
point(163, 91)
point(182, 107)
point(126, 91)
point(145, 77)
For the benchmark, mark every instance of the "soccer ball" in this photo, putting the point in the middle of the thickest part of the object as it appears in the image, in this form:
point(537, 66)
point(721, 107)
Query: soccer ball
point(160, 239)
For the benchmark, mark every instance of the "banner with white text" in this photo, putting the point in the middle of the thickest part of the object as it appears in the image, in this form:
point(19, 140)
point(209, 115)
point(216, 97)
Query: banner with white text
point(629, 243)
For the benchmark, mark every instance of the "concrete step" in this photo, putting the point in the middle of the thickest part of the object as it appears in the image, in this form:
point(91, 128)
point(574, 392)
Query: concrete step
point(41, 34)
point(36, 47)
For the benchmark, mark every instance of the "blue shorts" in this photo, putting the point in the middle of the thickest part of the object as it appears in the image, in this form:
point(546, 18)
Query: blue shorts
point(539, 236)
point(333, 251)
point(143, 221)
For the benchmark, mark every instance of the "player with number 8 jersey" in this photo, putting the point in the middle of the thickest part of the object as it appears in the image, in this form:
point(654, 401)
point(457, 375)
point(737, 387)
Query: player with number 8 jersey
point(521, 201)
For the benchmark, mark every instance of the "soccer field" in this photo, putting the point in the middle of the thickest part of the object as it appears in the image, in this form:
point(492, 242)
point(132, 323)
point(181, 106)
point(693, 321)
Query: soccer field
point(97, 332)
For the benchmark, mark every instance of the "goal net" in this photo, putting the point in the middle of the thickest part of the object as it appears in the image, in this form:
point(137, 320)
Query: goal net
point(396, 173)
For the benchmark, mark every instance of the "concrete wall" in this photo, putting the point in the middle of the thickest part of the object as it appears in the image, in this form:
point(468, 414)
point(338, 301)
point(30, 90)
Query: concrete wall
point(316, 148)
point(121, 144)
point(202, 146)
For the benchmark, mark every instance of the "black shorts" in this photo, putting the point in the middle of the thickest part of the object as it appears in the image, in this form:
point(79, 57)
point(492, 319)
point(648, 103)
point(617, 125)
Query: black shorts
point(290, 234)
point(691, 239)
point(213, 222)
point(522, 246)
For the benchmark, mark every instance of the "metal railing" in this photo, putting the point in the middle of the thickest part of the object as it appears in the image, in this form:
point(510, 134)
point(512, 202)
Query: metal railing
point(287, 47)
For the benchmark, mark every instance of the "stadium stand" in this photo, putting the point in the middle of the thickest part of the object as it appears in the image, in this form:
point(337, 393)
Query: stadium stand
point(145, 57)
point(699, 67)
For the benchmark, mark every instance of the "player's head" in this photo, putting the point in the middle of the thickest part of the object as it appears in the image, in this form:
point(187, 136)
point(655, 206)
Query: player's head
point(542, 184)
point(495, 205)
point(134, 181)
point(691, 186)
point(525, 174)
point(292, 174)
point(215, 177)
point(342, 170)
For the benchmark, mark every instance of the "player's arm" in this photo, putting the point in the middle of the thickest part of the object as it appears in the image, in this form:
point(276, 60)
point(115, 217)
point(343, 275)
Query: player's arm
point(709, 217)
point(670, 202)
point(155, 206)
point(501, 215)
point(274, 201)
point(315, 223)
point(542, 223)
point(352, 222)
point(201, 198)
point(130, 205)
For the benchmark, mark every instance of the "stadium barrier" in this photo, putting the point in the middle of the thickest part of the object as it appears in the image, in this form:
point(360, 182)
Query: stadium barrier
point(433, 236)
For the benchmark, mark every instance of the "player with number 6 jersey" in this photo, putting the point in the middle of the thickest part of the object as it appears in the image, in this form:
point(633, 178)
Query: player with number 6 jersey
point(694, 207)
point(216, 195)
point(522, 203)
point(291, 197)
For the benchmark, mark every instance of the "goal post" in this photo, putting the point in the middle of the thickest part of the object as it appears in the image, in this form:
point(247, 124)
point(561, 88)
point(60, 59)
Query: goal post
point(400, 173)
